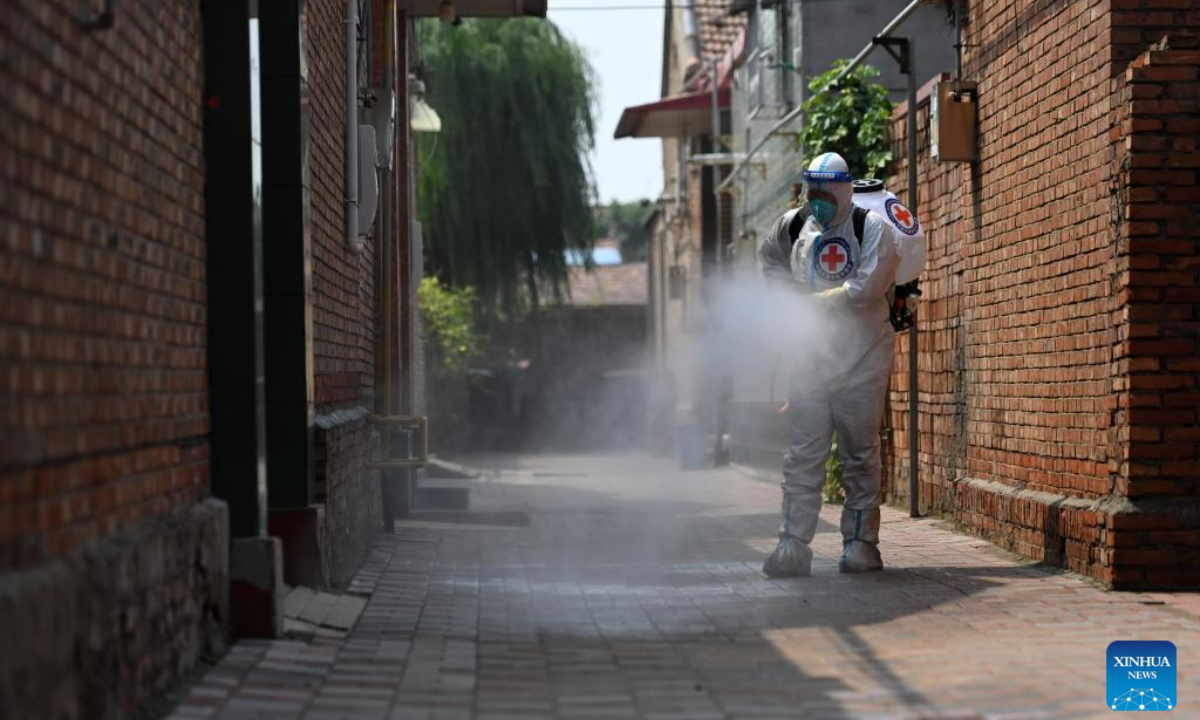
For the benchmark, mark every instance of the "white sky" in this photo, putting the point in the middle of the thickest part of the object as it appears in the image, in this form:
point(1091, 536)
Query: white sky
point(625, 49)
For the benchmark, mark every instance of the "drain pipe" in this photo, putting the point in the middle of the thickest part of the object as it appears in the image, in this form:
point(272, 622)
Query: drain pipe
point(903, 51)
point(351, 165)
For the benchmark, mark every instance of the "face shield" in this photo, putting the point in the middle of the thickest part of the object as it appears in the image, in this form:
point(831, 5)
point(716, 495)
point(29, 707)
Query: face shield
point(828, 196)
point(828, 190)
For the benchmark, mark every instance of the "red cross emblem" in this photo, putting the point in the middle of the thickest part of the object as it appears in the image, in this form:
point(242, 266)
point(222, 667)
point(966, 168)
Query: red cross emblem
point(902, 217)
point(833, 258)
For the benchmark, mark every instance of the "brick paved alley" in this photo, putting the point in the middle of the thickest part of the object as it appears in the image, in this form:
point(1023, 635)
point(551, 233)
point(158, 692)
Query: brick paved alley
point(619, 587)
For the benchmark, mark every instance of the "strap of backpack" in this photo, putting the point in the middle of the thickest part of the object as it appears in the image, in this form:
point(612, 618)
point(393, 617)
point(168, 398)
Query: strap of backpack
point(796, 225)
point(860, 222)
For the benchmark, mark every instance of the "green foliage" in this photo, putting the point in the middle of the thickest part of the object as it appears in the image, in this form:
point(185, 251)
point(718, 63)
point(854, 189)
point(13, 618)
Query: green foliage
point(626, 223)
point(451, 345)
point(507, 188)
point(834, 491)
point(850, 118)
point(447, 314)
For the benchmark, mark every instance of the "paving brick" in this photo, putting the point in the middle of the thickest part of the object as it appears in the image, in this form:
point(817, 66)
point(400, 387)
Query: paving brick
point(635, 591)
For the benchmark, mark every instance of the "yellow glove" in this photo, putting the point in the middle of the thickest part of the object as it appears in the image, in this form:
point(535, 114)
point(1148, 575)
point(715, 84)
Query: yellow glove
point(831, 295)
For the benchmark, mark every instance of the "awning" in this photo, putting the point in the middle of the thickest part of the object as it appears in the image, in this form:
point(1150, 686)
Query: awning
point(476, 8)
point(675, 116)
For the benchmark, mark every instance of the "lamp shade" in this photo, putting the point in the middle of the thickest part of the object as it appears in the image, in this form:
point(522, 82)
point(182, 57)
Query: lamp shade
point(424, 118)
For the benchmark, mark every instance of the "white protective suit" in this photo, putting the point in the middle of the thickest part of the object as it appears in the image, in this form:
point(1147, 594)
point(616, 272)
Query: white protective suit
point(838, 383)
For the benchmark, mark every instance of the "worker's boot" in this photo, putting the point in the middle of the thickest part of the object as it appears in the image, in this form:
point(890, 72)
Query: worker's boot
point(860, 541)
point(792, 556)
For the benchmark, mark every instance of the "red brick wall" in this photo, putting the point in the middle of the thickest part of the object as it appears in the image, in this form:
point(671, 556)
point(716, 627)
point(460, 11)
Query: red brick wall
point(343, 276)
point(1049, 363)
point(943, 421)
point(1158, 355)
point(343, 304)
point(1138, 24)
point(103, 412)
point(1159, 274)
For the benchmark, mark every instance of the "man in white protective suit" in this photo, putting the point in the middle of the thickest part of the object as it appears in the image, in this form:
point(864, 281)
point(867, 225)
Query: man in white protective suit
point(842, 260)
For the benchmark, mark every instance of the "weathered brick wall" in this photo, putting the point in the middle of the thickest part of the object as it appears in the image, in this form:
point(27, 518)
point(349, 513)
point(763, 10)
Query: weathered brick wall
point(1138, 24)
point(113, 566)
point(1157, 280)
point(942, 361)
point(349, 491)
point(1158, 357)
point(109, 627)
point(1031, 433)
point(343, 307)
point(103, 414)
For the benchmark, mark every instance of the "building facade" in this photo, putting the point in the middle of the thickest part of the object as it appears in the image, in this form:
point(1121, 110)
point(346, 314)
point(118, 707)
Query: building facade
point(685, 230)
point(194, 335)
point(1057, 380)
point(1057, 353)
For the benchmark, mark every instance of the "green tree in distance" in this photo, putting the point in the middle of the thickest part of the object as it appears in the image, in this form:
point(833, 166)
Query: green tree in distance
point(625, 223)
point(508, 188)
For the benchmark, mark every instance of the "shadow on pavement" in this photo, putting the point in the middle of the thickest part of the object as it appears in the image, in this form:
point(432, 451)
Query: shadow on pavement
point(658, 605)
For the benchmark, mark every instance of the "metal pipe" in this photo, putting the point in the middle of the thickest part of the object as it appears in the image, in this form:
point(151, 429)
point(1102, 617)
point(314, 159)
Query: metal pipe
point(758, 14)
point(711, 159)
point(385, 253)
point(799, 109)
point(691, 36)
point(885, 32)
point(351, 160)
point(680, 186)
point(716, 110)
point(387, 238)
point(958, 8)
point(914, 488)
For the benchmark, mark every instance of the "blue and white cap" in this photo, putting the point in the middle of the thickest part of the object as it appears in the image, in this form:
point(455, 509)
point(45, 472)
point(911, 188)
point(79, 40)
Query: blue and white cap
point(828, 167)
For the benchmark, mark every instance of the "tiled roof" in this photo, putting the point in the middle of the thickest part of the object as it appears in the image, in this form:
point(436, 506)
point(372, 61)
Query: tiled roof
point(623, 284)
point(718, 29)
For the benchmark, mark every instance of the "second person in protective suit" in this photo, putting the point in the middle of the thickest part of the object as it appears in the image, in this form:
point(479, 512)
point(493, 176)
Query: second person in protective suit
point(843, 260)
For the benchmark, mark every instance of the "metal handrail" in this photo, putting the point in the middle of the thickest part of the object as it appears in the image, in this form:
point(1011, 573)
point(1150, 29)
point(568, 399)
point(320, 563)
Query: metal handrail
point(420, 423)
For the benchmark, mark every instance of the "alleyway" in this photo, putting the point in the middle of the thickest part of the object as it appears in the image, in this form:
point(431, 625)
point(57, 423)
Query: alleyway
point(620, 587)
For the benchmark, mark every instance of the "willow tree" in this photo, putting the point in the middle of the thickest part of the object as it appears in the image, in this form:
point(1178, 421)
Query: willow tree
point(507, 188)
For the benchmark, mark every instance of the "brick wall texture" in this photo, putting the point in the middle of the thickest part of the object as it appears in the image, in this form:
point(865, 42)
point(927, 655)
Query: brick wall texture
point(113, 570)
point(104, 424)
point(107, 628)
point(102, 318)
point(343, 308)
point(1058, 376)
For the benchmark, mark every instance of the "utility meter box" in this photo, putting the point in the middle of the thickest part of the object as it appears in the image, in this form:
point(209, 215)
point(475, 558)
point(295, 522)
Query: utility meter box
point(368, 180)
point(952, 122)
